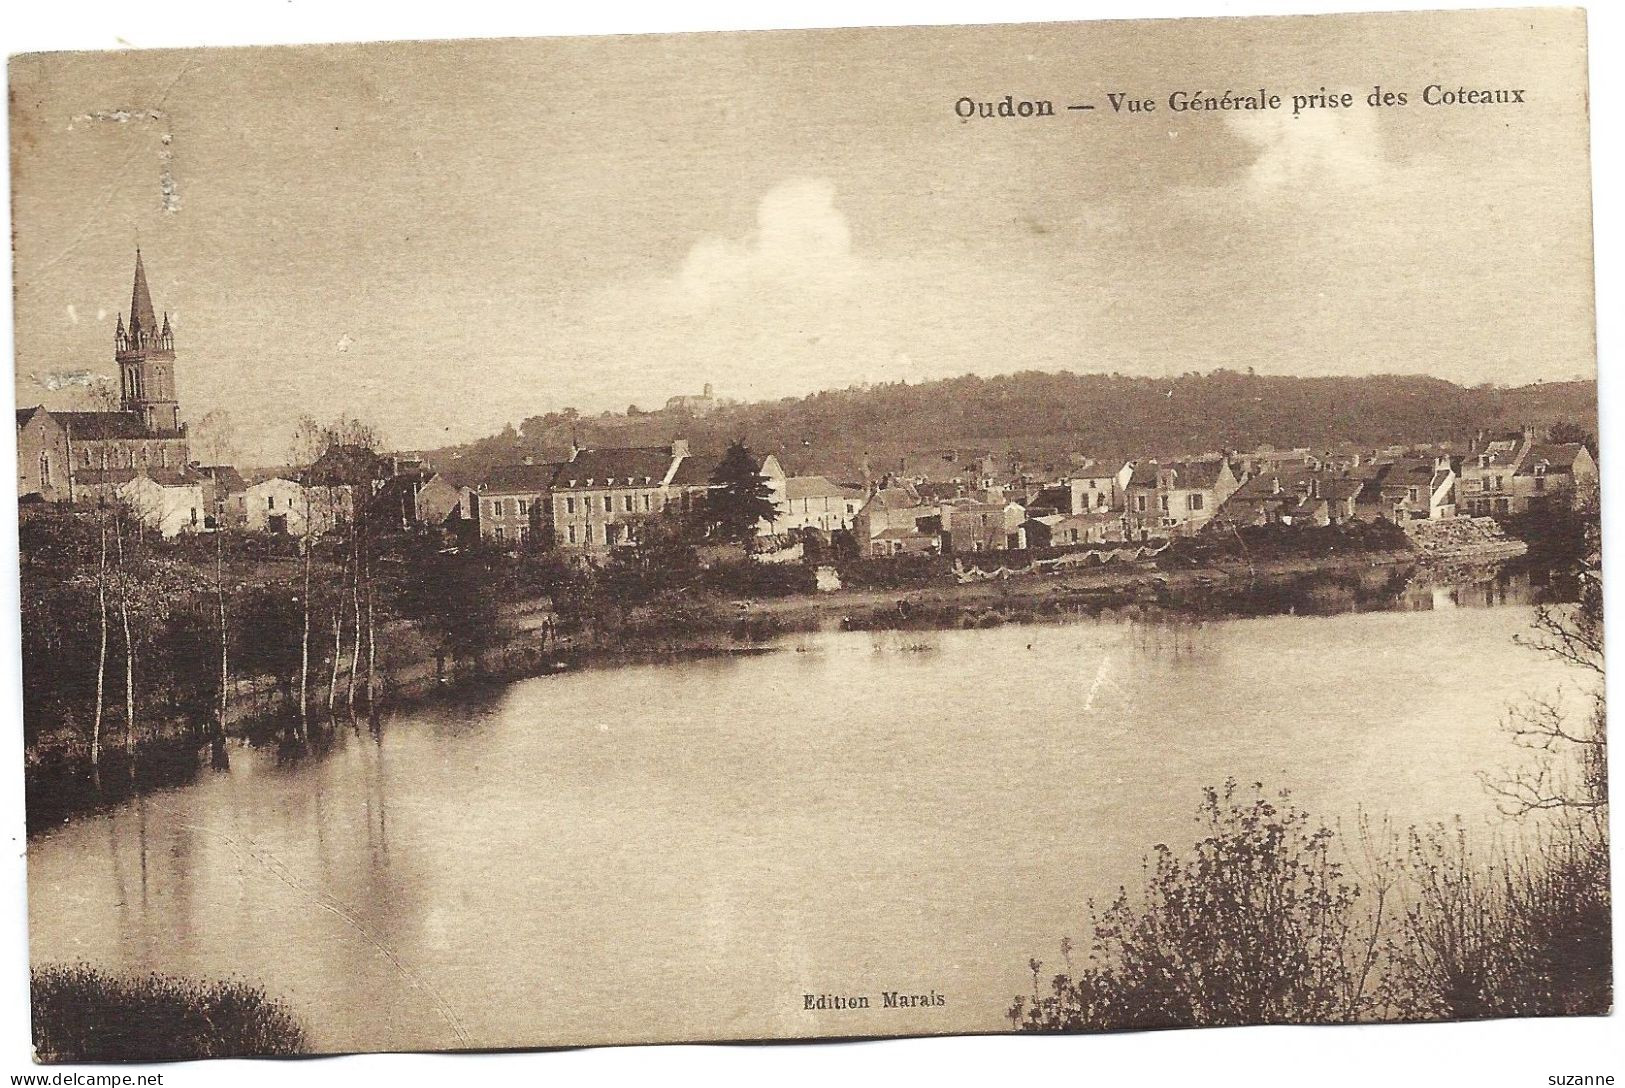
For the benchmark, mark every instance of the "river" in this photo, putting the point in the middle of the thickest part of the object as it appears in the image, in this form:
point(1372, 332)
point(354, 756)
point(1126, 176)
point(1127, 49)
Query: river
point(683, 851)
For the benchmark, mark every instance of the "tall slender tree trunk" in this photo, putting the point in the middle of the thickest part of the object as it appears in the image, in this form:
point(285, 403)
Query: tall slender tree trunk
point(101, 653)
point(129, 646)
point(219, 753)
point(355, 610)
point(304, 639)
point(372, 643)
point(338, 646)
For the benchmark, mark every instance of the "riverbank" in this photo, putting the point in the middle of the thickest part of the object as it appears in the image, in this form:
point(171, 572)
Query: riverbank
point(62, 783)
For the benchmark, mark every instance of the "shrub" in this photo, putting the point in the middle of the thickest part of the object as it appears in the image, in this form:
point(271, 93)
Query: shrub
point(1250, 927)
point(747, 578)
point(897, 572)
point(83, 1015)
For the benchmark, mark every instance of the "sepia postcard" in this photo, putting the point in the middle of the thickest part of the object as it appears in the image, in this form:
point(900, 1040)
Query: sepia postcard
point(1066, 527)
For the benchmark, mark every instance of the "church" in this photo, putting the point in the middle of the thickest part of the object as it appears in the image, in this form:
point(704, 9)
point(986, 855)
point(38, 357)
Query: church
point(81, 456)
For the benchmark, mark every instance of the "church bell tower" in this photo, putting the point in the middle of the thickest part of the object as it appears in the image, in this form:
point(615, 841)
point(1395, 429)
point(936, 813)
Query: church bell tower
point(145, 351)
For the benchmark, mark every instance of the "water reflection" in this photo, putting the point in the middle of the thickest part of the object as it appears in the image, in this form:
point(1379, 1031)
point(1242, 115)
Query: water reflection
point(593, 849)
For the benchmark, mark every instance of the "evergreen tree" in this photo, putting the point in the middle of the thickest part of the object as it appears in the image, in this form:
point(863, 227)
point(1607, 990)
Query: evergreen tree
point(740, 497)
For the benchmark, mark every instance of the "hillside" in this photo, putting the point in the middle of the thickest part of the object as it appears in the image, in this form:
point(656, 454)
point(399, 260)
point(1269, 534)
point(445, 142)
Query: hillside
point(1042, 418)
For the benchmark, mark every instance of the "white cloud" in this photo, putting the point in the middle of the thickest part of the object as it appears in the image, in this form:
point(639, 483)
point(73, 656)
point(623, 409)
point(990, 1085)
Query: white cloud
point(801, 243)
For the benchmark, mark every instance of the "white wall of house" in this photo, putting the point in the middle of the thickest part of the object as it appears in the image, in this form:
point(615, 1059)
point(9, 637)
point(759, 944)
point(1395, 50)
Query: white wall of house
point(281, 505)
point(171, 510)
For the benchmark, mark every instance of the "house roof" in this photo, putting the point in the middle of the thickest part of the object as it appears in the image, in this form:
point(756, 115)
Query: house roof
point(1559, 458)
point(520, 479)
point(225, 475)
point(1339, 488)
point(627, 466)
point(690, 472)
point(91, 426)
point(26, 414)
point(895, 498)
point(817, 487)
point(1187, 474)
point(453, 478)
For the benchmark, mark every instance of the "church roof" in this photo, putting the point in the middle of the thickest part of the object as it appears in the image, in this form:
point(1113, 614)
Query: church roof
point(89, 426)
point(141, 299)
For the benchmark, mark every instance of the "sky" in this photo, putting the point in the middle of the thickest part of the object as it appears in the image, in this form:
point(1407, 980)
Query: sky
point(443, 238)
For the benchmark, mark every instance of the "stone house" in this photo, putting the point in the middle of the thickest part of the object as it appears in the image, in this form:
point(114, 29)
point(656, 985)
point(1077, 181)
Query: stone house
point(447, 497)
point(897, 510)
point(807, 502)
point(599, 497)
point(513, 504)
point(979, 525)
point(1177, 498)
point(1098, 486)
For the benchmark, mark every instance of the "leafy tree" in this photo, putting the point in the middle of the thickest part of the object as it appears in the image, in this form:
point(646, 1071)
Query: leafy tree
point(1567, 430)
point(452, 595)
point(739, 498)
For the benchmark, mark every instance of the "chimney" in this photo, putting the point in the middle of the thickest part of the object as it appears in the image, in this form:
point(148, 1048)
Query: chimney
point(679, 447)
point(707, 389)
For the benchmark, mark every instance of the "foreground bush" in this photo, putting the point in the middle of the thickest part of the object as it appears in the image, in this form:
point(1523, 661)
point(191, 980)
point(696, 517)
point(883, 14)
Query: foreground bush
point(83, 1015)
point(1251, 927)
point(1261, 923)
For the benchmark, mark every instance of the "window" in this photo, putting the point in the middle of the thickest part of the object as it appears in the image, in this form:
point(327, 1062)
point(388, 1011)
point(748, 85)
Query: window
point(522, 533)
point(570, 533)
point(1162, 502)
point(194, 515)
point(497, 532)
point(570, 508)
point(648, 502)
point(1413, 494)
point(586, 534)
point(1139, 503)
point(1540, 481)
point(628, 503)
point(609, 504)
point(45, 470)
point(497, 508)
point(270, 502)
point(522, 507)
point(1193, 502)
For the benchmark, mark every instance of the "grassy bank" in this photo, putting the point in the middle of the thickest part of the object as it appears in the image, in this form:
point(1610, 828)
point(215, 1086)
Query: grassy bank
point(83, 1015)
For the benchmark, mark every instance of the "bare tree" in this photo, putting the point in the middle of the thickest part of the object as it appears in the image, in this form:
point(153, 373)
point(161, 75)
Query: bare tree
point(1572, 634)
point(101, 647)
point(219, 745)
point(129, 643)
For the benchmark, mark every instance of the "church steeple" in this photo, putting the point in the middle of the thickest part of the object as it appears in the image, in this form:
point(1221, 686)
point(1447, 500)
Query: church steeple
point(141, 315)
point(146, 358)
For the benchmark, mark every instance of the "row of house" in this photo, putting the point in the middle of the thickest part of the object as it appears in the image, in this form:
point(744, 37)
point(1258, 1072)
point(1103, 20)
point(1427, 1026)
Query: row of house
point(1142, 500)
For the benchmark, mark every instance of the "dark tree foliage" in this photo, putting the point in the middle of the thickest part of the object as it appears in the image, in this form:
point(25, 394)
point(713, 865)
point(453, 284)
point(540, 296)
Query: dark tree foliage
point(452, 595)
point(740, 496)
point(1046, 416)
